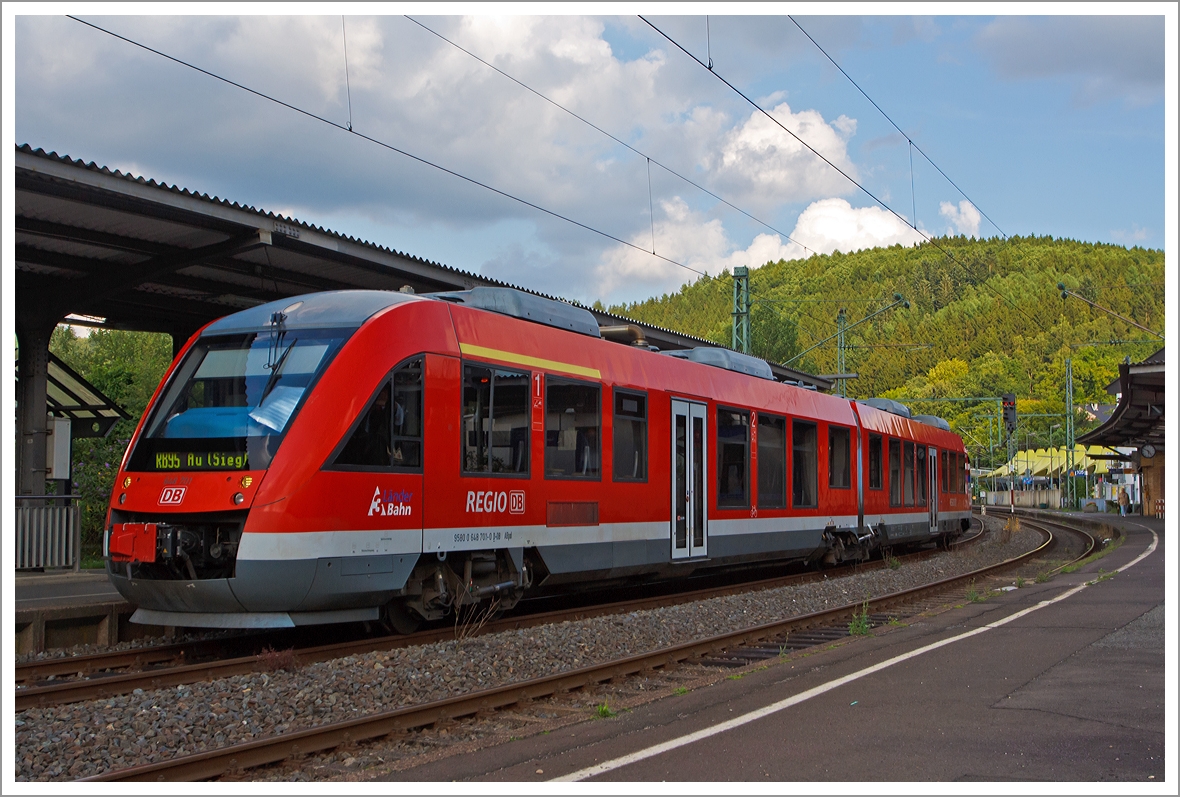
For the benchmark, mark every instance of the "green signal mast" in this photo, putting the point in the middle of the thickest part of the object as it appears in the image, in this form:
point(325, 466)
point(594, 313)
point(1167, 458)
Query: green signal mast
point(741, 309)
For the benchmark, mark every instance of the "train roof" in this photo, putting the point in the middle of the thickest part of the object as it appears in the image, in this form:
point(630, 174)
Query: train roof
point(331, 309)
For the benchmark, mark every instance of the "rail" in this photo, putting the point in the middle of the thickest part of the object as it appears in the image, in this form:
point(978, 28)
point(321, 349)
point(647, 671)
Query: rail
point(48, 534)
point(180, 665)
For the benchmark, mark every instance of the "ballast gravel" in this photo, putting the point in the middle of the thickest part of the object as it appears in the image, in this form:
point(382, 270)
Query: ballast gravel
point(84, 739)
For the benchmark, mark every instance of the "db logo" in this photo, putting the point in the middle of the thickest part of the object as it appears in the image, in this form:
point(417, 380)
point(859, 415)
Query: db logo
point(516, 502)
point(171, 496)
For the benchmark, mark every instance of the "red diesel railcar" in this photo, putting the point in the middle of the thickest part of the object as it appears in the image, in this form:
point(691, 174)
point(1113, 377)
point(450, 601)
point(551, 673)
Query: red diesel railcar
point(359, 455)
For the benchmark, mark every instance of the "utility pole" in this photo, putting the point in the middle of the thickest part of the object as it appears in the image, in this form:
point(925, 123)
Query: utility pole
point(841, 322)
point(741, 309)
point(1071, 492)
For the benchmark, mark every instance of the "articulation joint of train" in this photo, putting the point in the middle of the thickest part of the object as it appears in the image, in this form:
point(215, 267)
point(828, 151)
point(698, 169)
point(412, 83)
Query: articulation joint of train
point(364, 455)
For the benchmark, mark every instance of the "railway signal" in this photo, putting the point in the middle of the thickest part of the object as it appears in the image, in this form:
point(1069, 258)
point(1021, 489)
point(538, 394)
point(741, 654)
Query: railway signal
point(1009, 403)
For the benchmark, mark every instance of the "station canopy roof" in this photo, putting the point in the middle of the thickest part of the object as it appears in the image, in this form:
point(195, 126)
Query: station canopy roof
point(1139, 417)
point(1096, 460)
point(134, 253)
point(68, 395)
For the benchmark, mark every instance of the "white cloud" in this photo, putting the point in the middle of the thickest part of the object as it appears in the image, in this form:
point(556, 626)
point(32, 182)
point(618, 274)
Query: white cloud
point(1133, 237)
point(833, 224)
point(964, 218)
point(759, 162)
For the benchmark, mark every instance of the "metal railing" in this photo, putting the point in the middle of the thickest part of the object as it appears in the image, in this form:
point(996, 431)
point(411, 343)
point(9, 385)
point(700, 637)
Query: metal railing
point(48, 532)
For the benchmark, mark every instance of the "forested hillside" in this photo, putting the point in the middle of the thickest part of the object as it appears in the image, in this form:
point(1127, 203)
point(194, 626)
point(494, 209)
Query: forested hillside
point(984, 320)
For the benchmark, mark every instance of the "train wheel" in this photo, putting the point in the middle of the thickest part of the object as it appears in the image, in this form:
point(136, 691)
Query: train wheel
point(400, 618)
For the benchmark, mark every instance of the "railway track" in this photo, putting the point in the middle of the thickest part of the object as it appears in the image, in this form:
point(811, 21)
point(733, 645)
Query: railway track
point(735, 648)
point(102, 675)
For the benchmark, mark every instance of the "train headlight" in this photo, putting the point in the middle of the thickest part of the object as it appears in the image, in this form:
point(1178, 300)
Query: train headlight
point(239, 498)
point(122, 497)
point(126, 482)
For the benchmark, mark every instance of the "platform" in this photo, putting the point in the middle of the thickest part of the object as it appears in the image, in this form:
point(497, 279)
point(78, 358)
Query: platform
point(62, 609)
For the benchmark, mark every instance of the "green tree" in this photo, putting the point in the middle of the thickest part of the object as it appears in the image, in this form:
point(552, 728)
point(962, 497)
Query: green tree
point(127, 367)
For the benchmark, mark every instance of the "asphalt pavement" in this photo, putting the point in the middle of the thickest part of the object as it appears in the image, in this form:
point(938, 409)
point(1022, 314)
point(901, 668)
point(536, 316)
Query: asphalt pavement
point(45, 590)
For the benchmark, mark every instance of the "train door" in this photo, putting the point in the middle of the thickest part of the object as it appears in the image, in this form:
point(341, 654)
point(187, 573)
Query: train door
point(932, 488)
point(689, 497)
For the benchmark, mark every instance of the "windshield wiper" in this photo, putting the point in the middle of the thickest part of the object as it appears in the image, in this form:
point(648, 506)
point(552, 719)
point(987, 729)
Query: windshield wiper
point(274, 372)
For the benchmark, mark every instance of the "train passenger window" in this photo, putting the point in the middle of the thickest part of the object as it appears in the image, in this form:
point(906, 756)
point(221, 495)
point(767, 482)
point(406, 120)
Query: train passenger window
point(389, 433)
point(495, 420)
point(772, 462)
point(874, 462)
point(921, 472)
point(733, 458)
point(572, 426)
point(839, 464)
point(907, 475)
point(630, 458)
point(804, 465)
point(895, 473)
point(945, 487)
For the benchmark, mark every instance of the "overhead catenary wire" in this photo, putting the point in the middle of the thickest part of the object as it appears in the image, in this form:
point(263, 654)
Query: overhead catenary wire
point(844, 174)
point(391, 147)
point(612, 136)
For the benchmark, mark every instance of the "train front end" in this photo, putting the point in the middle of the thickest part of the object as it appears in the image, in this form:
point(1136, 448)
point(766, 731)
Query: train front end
point(198, 466)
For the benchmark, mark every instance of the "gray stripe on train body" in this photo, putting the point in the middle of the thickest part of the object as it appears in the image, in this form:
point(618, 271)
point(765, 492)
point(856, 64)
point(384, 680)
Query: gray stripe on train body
point(591, 561)
point(339, 587)
point(206, 595)
point(272, 585)
point(338, 582)
point(796, 544)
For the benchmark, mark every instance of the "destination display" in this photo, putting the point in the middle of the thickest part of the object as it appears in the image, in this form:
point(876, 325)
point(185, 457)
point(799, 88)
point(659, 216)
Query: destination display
point(202, 460)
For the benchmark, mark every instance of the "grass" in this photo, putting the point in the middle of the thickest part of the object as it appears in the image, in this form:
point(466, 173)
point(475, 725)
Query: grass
point(1020, 582)
point(894, 621)
point(1042, 578)
point(681, 690)
point(92, 557)
point(1106, 548)
point(973, 594)
point(604, 711)
point(860, 625)
point(1103, 576)
point(894, 563)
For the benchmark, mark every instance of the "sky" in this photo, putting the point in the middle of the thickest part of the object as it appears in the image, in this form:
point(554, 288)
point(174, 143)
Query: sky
point(1049, 125)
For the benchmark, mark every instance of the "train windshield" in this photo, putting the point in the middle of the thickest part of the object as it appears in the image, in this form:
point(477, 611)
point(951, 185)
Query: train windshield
point(232, 398)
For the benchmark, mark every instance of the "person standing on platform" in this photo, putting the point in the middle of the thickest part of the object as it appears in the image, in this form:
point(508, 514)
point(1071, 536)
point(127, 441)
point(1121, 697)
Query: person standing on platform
point(1124, 501)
